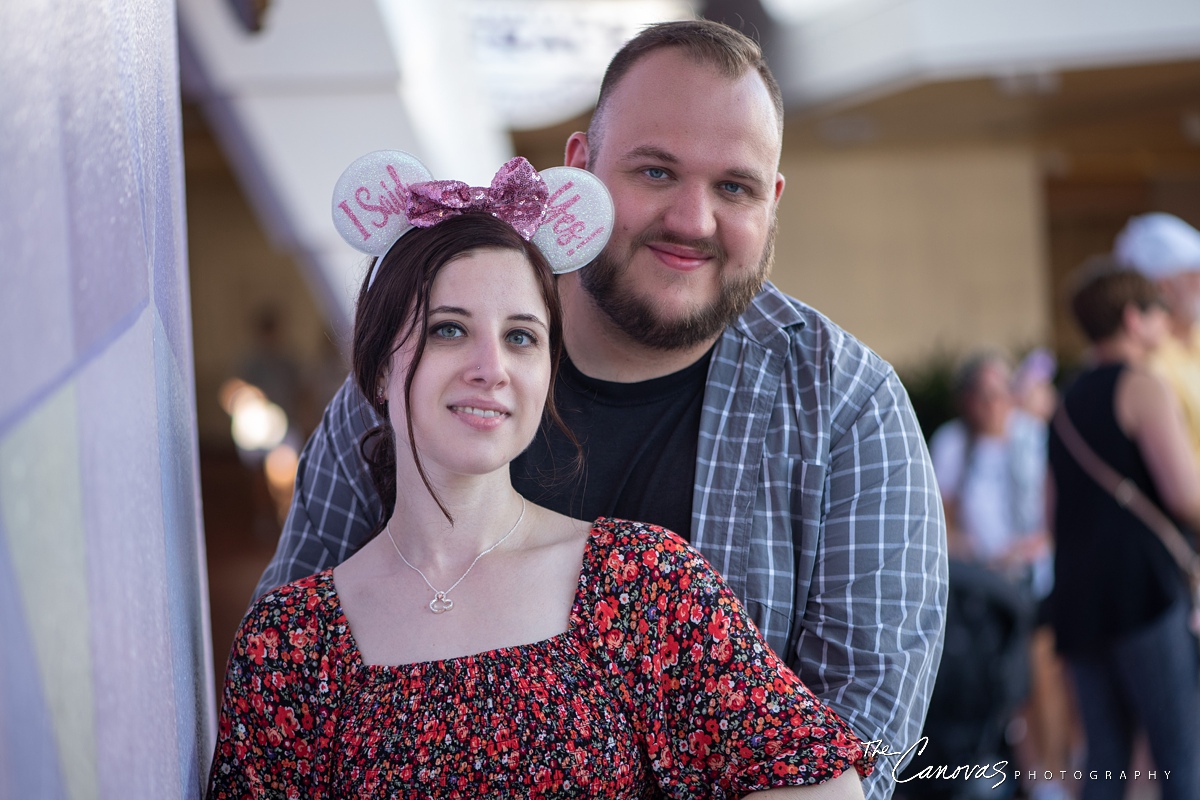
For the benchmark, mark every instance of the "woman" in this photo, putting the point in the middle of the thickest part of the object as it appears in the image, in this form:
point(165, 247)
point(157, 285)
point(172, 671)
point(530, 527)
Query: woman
point(484, 646)
point(990, 464)
point(1120, 602)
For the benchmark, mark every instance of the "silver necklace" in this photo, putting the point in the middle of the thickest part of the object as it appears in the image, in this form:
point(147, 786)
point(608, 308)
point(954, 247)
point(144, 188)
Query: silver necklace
point(441, 602)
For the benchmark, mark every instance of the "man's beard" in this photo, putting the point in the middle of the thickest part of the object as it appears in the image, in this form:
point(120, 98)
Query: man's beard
point(637, 316)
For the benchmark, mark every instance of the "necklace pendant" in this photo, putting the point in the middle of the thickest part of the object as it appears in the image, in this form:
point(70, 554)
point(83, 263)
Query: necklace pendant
point(440, 604)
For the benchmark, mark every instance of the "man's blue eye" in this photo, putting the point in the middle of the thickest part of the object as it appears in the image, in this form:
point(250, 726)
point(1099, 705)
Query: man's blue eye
point(655, 172)
point(733, 188)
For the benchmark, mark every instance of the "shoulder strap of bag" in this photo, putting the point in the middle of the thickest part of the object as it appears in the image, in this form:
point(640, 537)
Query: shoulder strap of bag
point(1127, 495)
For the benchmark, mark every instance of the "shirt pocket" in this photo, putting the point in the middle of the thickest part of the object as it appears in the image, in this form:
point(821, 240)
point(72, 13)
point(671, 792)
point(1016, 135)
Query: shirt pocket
point(784, 540)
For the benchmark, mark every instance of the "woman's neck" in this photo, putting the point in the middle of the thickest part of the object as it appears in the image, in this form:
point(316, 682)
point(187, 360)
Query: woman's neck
point(1118, 350)
point(483, 508)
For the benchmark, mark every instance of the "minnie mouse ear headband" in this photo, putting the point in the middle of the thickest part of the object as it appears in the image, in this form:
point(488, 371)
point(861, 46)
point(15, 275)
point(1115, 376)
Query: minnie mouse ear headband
point(566, 212)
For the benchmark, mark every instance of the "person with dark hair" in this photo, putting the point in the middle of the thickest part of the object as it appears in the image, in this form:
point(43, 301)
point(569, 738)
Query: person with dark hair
point(484, 646)
point(709, 402)
point(1121, 604)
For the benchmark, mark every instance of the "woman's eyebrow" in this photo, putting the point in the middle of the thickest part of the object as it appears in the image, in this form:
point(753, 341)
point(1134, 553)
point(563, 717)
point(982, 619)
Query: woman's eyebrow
point(462, 312)
point(527, 318)
point(450, 310)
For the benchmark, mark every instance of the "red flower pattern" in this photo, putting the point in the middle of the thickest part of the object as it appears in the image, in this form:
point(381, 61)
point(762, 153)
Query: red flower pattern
point(660, 686)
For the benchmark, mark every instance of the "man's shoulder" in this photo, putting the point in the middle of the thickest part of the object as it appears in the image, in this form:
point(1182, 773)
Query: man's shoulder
point(814, 341)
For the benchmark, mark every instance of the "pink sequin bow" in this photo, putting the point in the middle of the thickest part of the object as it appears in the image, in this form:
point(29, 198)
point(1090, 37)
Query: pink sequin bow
point(517, 196)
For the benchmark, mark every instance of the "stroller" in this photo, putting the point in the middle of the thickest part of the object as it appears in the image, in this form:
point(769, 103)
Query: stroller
point(982, 681)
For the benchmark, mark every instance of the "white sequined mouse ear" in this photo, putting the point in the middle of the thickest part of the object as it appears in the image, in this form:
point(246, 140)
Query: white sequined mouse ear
point(368, 200)
point(578, 218)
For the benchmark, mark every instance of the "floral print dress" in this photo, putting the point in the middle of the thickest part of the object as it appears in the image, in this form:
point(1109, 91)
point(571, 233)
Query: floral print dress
point(660, 687)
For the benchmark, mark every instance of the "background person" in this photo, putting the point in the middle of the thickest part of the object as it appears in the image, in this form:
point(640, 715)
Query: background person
point(638, 674)
point(1121, 603)
point(991, 468)
point(1166, 250)
point(1033, 384)
point(990, 464)
point(709, 402)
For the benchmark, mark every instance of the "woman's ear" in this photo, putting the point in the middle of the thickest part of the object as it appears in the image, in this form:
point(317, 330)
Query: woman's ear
point(380, 392)
point(1131, 319)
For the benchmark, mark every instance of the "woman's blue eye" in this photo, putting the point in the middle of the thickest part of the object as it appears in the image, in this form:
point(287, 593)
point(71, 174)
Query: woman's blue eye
point(522, 338)
point(448, 330)
point(655, 172)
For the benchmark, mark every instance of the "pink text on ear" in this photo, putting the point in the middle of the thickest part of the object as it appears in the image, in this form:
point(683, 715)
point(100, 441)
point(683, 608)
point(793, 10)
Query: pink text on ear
point(391, 201)
point(566, 226)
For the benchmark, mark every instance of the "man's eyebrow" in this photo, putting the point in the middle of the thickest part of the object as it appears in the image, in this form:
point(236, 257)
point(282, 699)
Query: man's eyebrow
point(650, 151)
point(749, 176)
point(746, 174)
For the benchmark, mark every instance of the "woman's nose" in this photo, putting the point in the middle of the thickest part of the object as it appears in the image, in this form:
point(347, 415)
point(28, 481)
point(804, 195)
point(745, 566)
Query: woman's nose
point(486, 365)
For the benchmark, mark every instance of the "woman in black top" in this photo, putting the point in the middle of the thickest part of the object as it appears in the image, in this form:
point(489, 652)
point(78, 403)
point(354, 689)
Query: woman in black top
point(1121, 604)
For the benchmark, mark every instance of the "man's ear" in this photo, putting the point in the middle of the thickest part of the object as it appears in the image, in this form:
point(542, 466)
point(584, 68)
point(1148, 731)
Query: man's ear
point(577, 151)
point(778, 186)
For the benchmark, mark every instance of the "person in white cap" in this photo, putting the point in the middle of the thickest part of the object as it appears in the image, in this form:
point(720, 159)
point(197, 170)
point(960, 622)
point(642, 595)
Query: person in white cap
point(1166, 249)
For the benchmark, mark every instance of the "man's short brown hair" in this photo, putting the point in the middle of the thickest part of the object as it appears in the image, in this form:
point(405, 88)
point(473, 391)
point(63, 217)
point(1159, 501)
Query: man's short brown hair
point(715, 44)
point(1102, 289)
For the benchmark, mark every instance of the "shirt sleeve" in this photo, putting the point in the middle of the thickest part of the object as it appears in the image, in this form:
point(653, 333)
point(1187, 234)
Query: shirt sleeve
point(269, 736)
point(334, 504)
point(872, 630)
point(719, 713)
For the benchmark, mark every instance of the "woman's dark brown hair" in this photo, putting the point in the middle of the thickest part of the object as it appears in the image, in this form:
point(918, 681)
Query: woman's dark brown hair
point(396, 306)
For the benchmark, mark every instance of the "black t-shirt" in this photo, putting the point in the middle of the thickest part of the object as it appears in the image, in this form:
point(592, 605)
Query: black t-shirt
point(639, 444)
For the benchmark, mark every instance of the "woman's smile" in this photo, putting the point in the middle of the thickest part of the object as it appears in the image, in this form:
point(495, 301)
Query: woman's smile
point(481, 417)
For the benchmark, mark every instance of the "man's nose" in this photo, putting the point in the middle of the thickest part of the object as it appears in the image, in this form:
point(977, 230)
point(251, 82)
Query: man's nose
point(691, 213)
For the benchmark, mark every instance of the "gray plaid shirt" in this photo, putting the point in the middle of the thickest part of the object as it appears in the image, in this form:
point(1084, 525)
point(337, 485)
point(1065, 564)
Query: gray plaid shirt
point(814, 497)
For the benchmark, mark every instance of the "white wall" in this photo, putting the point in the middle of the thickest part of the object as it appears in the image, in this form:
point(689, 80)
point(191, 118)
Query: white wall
point(916, 250)
point(105, 664)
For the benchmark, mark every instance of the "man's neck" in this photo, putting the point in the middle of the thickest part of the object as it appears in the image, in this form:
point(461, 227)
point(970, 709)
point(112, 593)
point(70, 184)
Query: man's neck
point(601, 350)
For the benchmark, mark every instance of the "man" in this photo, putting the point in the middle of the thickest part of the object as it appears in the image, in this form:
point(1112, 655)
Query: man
point(1166, 250)
point(709, 402)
